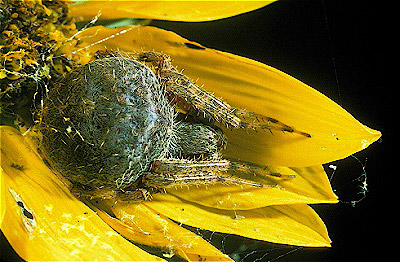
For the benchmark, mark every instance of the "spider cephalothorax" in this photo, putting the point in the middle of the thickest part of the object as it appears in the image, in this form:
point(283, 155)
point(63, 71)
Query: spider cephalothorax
point(111, 128)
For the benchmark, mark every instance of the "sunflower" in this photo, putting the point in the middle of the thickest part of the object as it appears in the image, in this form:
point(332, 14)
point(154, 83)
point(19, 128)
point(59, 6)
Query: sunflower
point(42, 220)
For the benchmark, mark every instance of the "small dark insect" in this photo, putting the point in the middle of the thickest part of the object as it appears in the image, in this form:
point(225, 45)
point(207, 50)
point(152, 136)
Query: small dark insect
point(112, 129)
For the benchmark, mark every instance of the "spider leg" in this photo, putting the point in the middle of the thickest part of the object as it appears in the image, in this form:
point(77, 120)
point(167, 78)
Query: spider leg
point(216, 108)
point(186, 93)
point(171, 172)
point(238, 166)
point(199, 99)
point(257, 121)
point(194, 99)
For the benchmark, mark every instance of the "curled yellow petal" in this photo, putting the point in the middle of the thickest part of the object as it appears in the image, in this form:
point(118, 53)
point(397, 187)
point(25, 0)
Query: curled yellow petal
point(251, 85)
point(310, 186)
point(43, 221)
point(294, 224)
point(188, 11)
point(144, 225)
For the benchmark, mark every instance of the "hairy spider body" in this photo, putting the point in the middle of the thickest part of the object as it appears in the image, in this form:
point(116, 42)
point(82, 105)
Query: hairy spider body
point(111, 128)
point(113, 120)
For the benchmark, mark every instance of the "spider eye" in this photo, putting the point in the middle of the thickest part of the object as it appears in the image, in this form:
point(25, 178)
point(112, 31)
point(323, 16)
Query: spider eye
point(145, 58)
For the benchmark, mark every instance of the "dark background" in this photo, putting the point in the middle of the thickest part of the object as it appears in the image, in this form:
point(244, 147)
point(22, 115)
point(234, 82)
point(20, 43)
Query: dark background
point(339, 48)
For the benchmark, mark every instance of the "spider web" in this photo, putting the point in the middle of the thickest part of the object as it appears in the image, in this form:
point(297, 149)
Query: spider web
point(243, 249)
point(355, 189)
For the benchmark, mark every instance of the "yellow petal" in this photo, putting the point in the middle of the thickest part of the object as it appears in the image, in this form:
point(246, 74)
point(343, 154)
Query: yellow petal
point(251, 85)
point(2, 197)
point(144, 225)
point(43, 221)
point(310, 186)
point(189, 11)
point(294, 224)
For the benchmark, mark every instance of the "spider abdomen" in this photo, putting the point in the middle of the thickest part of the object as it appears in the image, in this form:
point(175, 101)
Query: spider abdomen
point(105, 122)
